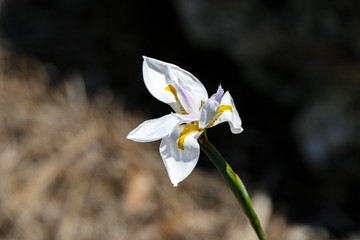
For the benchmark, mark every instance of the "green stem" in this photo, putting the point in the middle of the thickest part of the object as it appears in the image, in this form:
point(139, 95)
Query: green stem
point(234, 182)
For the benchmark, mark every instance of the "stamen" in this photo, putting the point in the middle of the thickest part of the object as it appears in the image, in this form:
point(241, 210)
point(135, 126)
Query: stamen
point(185, 132)
point(201, 104)
point(218, 113)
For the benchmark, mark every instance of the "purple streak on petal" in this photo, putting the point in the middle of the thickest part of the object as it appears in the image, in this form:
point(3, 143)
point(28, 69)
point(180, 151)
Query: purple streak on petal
point(218, 95)
point(189, 100)
point(186, 118)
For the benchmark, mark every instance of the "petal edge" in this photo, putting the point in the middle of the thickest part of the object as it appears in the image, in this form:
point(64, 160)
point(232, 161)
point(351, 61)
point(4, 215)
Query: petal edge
point(154, 129)
point(179, 163)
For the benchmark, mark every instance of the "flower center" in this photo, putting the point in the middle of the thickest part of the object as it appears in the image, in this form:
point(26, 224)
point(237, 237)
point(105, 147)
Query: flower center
point(194, 126)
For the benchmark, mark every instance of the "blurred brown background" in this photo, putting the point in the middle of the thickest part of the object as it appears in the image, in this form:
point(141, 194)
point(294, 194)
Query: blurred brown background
point(71, 89)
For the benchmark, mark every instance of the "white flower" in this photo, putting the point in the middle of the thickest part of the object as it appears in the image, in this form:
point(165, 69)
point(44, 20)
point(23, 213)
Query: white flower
point(194, 112)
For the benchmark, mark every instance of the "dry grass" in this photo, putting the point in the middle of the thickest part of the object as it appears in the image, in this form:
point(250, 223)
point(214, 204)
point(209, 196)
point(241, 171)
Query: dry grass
point(68, 172)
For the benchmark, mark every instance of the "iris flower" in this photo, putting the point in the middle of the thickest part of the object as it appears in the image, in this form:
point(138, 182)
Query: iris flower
point(193, 112)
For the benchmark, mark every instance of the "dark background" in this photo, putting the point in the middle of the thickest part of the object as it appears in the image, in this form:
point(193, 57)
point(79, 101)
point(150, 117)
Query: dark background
point(292, 68)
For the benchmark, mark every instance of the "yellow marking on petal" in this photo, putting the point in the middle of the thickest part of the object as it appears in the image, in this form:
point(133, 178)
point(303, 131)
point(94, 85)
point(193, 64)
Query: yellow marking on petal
point(172, 89)
point(185, 132)
point(218, 113)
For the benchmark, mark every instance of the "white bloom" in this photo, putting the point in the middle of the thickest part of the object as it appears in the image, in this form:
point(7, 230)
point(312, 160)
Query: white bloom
point(194, 112)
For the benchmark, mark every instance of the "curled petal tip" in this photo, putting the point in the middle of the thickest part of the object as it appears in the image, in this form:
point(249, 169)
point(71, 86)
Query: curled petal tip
point(238, 130)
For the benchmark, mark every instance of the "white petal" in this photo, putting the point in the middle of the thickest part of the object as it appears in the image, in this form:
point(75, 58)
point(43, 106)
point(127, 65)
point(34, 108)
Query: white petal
point(218, 95)
point(155, 129)
point(191, 92)
point(179, 163)
point(208, 111)
point(157, 79)
point(230, 116)
point(158, 75)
